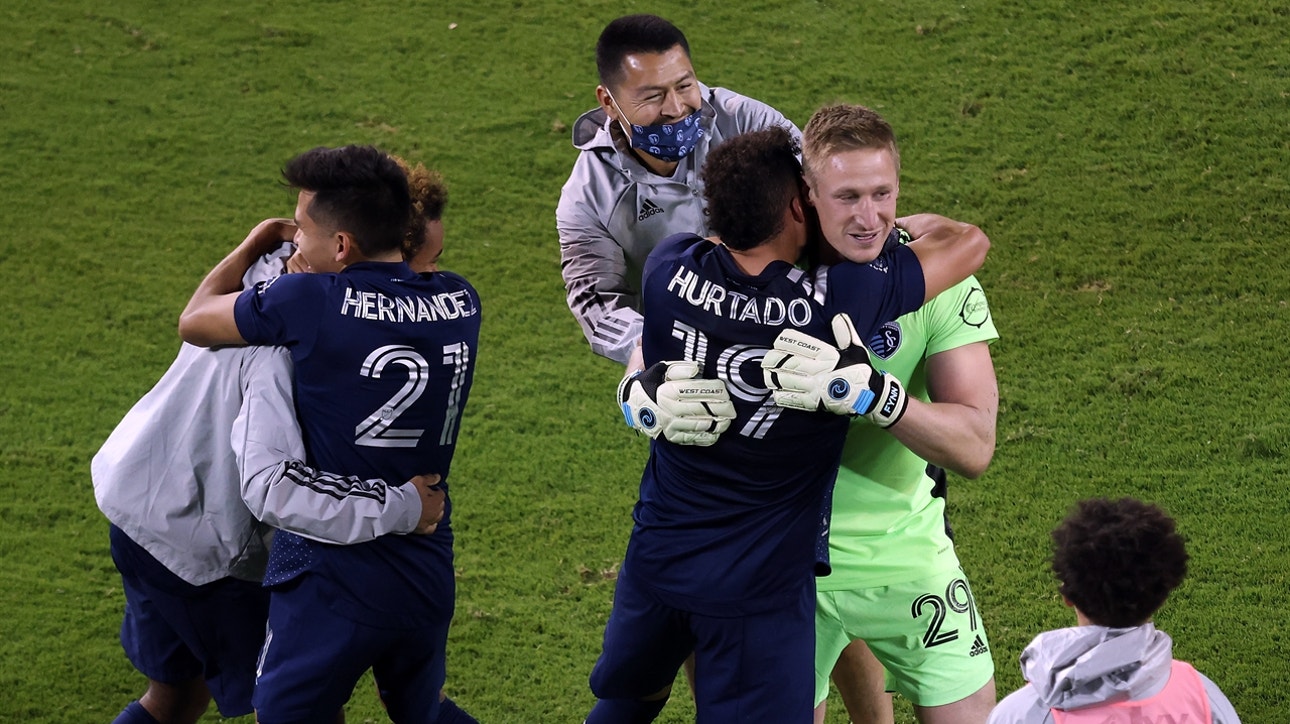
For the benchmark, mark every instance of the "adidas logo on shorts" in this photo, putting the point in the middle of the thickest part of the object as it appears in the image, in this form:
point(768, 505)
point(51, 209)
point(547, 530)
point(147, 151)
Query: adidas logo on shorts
point(648, 209)
point(979, 647)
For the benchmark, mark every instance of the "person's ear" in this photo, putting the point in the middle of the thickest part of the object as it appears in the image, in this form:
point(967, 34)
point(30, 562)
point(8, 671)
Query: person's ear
point(346, 249)
point(797, 207)
point(606, 103)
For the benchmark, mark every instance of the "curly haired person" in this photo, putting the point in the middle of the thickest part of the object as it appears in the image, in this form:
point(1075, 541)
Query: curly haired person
point(1116, 563)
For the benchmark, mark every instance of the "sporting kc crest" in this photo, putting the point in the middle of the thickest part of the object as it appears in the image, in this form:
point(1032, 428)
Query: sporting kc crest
point(886, 341)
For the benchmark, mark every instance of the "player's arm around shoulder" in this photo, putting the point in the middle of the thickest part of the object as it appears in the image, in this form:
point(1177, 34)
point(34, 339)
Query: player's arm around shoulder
point(948, 250)
point(208, 319)
point(281, 491)
point(956, 429)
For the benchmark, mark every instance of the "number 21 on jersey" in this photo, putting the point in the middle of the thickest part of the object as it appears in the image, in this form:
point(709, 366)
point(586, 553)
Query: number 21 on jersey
point(379, 428)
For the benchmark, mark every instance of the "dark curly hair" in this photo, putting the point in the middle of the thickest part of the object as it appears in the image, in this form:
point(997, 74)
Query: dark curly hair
point(429, 196)
point(749, 181)
point(632, 34)
point(1117, 561)
point(357, 189)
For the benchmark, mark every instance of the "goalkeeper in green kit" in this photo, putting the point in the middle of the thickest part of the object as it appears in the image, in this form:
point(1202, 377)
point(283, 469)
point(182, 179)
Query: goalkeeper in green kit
point(928, 387)
point(897, 599)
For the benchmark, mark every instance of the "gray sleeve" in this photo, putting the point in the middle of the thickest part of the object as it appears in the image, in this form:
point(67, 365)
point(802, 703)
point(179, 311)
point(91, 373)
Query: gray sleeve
point(594, 266)
point(1220, 709)
point(281, 491)
point(270, 265)
point(740, 114)
point(601, 286)
point(1021, 707)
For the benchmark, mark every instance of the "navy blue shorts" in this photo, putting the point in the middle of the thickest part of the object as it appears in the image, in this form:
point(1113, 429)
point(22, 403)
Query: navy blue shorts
point(313, 657)
point(174, 631)
point(752, 668)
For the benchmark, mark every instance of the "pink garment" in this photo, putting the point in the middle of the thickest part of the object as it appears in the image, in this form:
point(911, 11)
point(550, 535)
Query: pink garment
point(1182, 701)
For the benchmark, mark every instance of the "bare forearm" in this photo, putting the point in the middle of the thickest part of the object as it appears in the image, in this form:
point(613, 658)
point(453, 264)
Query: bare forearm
point(226, 277)
point(207, 320)
point(949, 250)
point(956, 437)
point(922, 225)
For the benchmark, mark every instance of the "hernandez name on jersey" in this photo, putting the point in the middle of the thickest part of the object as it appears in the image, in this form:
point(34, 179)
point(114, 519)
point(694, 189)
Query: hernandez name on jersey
point(384, 361)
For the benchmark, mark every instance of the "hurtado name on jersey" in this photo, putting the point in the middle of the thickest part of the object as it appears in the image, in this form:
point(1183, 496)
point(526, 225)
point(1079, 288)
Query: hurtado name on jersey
point(721, 302)
point(377, 307)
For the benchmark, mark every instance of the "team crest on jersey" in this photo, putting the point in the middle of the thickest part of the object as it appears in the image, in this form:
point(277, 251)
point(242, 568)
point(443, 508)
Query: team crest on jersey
point(648, 209)
point(886, 341)
point(881, 264)
point(975, 310)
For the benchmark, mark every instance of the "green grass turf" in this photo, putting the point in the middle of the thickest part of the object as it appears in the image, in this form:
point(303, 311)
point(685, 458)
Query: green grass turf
point(1129, 161)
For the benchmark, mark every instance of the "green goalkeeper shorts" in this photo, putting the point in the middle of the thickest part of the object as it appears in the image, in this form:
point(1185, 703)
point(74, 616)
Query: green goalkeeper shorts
point(927, 634)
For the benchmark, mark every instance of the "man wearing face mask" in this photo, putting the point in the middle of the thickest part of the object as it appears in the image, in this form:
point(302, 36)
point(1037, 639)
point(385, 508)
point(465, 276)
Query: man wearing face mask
point(636, 179)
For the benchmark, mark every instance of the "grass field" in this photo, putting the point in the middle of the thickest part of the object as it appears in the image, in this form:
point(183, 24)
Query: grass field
point(1130, 161)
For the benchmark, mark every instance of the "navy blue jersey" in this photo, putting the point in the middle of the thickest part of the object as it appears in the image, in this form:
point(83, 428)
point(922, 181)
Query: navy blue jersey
point(384, 361)
point(732, 528)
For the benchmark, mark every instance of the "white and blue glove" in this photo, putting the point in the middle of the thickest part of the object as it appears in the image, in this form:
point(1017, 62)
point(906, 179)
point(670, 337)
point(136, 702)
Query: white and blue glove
point(670, 400)
point(805, 373)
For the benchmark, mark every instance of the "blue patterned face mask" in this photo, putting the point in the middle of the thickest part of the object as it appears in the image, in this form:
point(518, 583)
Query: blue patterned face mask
point(667, 141)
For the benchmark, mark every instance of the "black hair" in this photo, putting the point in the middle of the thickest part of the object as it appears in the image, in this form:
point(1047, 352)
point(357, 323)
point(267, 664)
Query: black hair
point(357, 189)
point(1117, 561)
point(749, 181)
point(634, 34)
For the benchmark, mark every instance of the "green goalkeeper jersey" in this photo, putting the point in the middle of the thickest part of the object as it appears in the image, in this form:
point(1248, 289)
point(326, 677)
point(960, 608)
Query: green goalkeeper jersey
point(887, 527)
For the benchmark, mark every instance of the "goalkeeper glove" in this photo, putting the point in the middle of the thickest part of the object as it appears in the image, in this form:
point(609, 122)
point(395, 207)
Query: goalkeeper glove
point(805, 373)
point(669, 399)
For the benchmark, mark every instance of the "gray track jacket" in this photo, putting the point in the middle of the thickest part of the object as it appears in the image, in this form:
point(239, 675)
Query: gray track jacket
point(1074, 668)
point(282, 492)
point(613, 211)
point(172, 476)
point(167, 476)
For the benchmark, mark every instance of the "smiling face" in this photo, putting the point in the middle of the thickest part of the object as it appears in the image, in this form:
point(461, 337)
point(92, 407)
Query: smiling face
point(317, 242)
point(426, 258)
point(854, 193)
point(653, 88)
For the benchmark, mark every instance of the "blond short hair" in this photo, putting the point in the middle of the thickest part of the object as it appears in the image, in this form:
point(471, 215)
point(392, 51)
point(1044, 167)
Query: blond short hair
point(845, 127)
